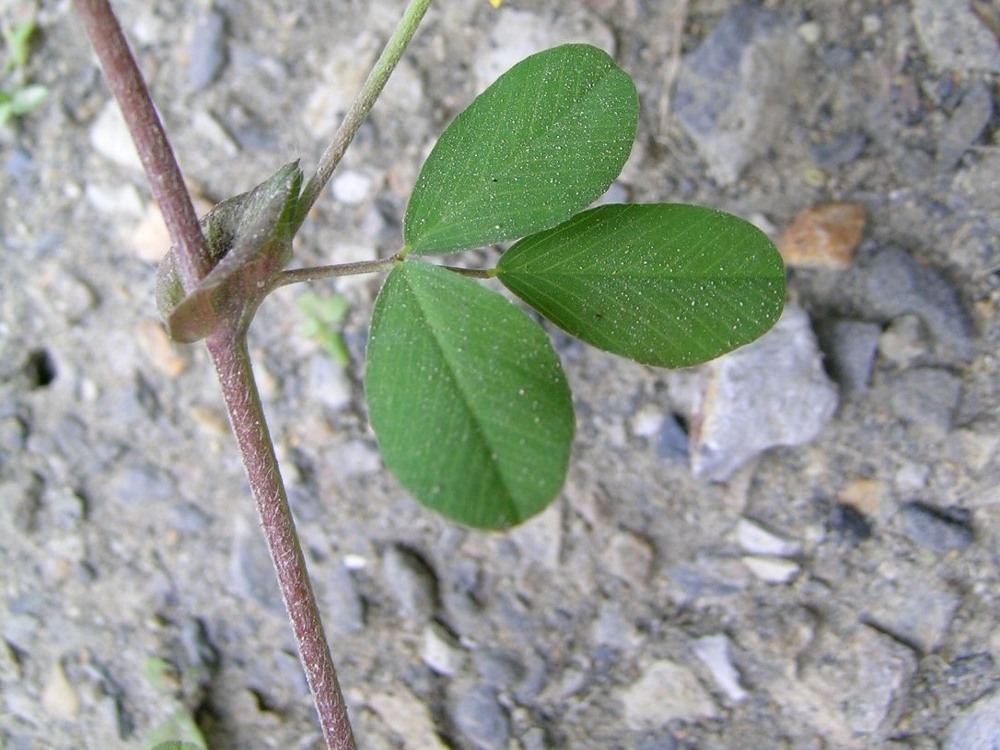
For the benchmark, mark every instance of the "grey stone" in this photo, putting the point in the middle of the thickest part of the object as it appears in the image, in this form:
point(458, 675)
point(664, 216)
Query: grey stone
point(207, 51)
point(953, 36)
point(912, 606)
point(481, 718)
point(850, 347)
point(729, 91)
point(666, 691)
point(933, 529)
point(713, 651)
point(141, 484)
point(978, 726)
point(673, 440)
point(925, 395)
point(904, 341)
point(412, 582)
point(707, 578)
point(441, 651)
point(966, 124)
point(251, 572)
point(328, 383)
point(110, 137)
point(771, 392)
point(498, 668)
point(346, 610)
point(895, 284)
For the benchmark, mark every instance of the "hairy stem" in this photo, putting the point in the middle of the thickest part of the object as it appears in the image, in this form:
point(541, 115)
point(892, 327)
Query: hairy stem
point(361, 106)
point(232, 362)
point(193, 258)
point(315, 273)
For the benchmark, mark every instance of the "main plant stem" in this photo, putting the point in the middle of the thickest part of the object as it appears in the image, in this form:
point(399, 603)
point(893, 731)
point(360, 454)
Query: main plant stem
point(232, 363)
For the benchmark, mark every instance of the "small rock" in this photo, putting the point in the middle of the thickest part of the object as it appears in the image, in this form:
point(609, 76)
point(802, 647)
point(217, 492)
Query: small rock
point(207, 50)
point(757, 540)
point(481, 718)
point(647, 422)
point(441, 650)
point(845, 692)
point(666, 691)
point(251, 572)
point(158, 349)
point(614, 628)
point(729, 91)
point(823, 236)
point(114, 199)
point(713, 650)
point(967, 123)
point(141, 484)
point(66, 293)
point(850, 347)
point(328, 383)
point(345, 70)
point(411, 581)
point(352, 188)
point(849, 525)
point(346, 610)
point(904, 341)
point(629, 557)
point(912, 606)
point(498, 668)
point(674, 444)
point(933, 529)
point(59, 697)
point(840, 150)
point(978, 726)
point(707, 578)
point(66, 508)
point(409, 718)
point(895, 284)
point(771, 569)
point(771, 392)
point(926, 395)
point(150, 238)
point(110, 137)
point(540, 537)
point(954, 38)
point(208, 127)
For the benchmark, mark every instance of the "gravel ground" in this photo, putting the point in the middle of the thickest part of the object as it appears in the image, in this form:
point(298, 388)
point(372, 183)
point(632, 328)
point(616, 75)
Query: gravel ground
point(791, 548)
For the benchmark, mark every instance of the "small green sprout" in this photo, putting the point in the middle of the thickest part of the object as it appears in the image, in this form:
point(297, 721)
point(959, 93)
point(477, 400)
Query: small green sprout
point(324, 314)
point(17, 96)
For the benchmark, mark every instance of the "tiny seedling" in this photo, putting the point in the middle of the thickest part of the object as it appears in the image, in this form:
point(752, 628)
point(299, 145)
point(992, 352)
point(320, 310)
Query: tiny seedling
point(465, 393)
point(17, 96)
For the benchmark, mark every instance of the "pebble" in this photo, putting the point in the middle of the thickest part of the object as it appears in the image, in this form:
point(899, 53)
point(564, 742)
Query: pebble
point(713, 651)
point(123, 200)
point(977, 727)
point(933, 529)
point(823, 236)
point(501, 669)
point(850, 346)
point(730, 90)
point(965, 125)
point(346, 68)
point(66, 293)
point(59, 698)
point(411, 581)
point(647, 422)
point(162, 353)
point(614, 628)
point(208, 127)
point(150, 239)
point(440, 650)
point(674, 443)
point(666, 691)
point(346, 608)
point(771, 569)
point(481, 718)
point(757, 540)
point(141, 483)
point(251, 572)
point(895, 284)
point(328, 382)
point(846, 692)
point(925, 395)
point(110, 137)
point(352, 187)
point(904, 341)
point(771, 392)
point(911, 605)
point(705, 579)
point(207, 51)
point(954, 38)
point(540, 538)
point(409, 718)
point(65, 506)
point(629, 557)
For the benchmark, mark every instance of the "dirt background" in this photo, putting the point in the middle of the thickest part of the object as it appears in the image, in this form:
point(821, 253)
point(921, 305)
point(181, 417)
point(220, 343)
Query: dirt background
point(837, 593)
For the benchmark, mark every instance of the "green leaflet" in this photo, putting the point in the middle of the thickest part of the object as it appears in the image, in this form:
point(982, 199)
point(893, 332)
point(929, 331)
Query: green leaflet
point(467, 398)
point(545, 140)
point(663, 284)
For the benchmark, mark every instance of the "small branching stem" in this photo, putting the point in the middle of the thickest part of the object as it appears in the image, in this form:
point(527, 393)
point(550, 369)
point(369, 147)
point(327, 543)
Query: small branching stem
point(315, 273)
point(361, 106)
point(127, 84)
point(232, 362)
